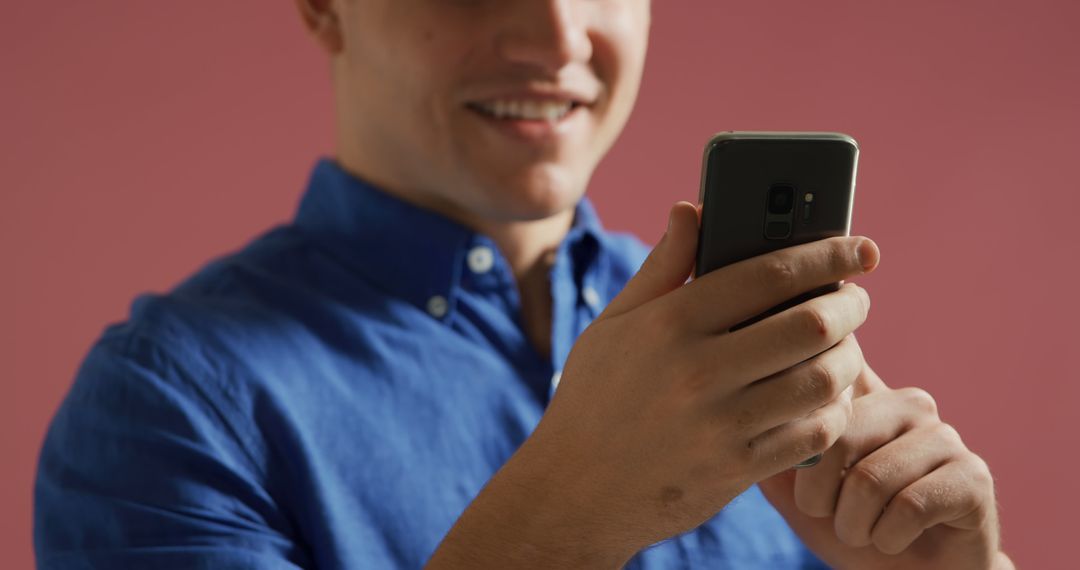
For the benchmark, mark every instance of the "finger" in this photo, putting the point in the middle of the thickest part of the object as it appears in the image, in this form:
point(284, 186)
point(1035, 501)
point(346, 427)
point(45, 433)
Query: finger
point(785, 445)
point(873, 482)
point(788, 338)
point(799, 390)
point(868, 380)
point(668, 265)
point(959, 493)
point(749, 287)
point(877, 419)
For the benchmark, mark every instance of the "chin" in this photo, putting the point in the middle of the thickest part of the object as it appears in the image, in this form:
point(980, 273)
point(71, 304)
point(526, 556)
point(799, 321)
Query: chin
point(536, 194)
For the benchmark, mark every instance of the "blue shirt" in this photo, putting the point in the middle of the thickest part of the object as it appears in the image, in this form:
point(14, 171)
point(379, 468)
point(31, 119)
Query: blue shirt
point(333, 396)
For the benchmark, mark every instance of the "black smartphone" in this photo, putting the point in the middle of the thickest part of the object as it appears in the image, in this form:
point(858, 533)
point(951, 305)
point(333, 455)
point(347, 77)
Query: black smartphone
point(763, 191)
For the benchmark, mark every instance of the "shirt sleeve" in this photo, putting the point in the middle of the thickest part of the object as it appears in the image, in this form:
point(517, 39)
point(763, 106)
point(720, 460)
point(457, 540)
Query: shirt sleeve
point(139, 470)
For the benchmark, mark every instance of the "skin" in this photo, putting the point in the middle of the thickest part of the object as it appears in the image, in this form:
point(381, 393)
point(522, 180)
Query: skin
point(403, 73)
point(650, 435)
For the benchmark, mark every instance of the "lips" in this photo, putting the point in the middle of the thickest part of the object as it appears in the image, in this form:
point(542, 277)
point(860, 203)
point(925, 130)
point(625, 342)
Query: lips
point(538, 114)
point(525, 109)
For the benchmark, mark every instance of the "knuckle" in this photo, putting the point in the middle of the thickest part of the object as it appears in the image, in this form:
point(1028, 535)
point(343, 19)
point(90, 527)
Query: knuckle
point(842, 256)
point(822, 383)
point(821, 434)
point(910, 504)
point(948, 434)
point(865, 480)
point(921, 400)
point(980, 474)
point(777, 272)
point(817, 321)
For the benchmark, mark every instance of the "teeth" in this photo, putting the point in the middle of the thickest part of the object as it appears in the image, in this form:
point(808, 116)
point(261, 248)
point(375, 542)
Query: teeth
point(528, 110)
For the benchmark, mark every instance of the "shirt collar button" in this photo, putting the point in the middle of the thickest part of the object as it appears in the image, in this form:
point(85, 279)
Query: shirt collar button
point(480, 259)
point(591, 297)
point(437, 306)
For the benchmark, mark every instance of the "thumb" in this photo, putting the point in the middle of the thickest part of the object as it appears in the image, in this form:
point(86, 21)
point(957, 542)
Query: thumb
point(779, 490)
point(817, 533)
point(668, 265)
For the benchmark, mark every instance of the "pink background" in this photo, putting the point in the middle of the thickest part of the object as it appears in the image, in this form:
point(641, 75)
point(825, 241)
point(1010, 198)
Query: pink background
point(139, 139)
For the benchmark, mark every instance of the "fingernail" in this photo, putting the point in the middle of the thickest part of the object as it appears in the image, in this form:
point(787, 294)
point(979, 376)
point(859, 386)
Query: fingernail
point(865, 252)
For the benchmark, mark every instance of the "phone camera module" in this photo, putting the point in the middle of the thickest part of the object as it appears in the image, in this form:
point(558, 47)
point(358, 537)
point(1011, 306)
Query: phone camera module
point(777, 230)
point(779, 211)
point(781, 199)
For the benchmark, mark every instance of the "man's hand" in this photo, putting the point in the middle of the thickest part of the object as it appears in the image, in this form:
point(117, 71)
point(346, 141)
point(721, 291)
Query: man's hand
point(898, 490)
point(663, 415)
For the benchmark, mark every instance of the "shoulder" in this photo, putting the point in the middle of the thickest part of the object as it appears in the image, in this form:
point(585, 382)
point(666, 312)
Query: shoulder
point(250, 321)
point(278, 288)
point(180, 359)
point(229, 299)
point(210, 355)
point(153, 437)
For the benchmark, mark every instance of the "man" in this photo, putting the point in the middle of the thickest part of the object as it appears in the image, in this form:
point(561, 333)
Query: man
point(342, 392)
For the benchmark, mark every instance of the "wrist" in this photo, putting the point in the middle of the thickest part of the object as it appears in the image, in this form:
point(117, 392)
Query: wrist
point(532, 515)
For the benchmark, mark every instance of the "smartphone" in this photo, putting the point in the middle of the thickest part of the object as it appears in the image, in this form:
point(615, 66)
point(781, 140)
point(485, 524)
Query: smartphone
point(763, 191)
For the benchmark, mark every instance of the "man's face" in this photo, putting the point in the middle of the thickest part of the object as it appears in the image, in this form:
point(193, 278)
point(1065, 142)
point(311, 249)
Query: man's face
point(486, 109)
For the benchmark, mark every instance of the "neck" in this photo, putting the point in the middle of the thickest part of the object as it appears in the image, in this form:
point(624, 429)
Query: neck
point(527, 245)
point(530, 244)
point(530, 248)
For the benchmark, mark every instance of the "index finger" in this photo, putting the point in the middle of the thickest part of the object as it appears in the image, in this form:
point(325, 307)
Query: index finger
point(727, 296)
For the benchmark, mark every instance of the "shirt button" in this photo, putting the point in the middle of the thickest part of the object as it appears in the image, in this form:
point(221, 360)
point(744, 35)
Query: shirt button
point(436, 306)
point(555, 378)
point(591, 297)
point(481, 259)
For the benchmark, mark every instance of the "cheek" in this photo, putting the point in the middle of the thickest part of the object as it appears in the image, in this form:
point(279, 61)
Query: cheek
point(619, 43)
point(404, 59)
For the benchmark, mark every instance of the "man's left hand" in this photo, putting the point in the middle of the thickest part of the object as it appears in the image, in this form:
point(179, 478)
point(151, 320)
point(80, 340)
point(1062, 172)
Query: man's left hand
point(898, 490)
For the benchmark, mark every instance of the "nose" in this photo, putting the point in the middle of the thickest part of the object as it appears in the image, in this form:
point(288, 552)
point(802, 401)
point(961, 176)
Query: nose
point(550, 34)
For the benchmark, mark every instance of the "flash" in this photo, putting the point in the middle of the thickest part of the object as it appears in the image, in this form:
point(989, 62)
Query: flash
point(809, 197)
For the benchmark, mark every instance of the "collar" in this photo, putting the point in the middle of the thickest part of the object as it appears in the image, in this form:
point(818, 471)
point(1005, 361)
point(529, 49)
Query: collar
point(412, 252)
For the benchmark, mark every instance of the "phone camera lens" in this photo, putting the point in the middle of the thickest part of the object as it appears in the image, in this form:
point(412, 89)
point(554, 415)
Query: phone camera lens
point(781, 199)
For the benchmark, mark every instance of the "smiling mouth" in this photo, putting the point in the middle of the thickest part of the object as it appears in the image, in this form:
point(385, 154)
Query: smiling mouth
point(525, 110)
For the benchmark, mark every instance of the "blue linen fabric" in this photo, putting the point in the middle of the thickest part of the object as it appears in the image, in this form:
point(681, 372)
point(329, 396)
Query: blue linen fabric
point(333, 395)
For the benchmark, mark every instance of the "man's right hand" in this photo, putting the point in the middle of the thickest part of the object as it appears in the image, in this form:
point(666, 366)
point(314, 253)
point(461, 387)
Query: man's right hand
point(662, 416)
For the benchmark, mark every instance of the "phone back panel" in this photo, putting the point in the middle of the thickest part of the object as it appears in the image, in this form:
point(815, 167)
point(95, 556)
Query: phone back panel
point(739, 168)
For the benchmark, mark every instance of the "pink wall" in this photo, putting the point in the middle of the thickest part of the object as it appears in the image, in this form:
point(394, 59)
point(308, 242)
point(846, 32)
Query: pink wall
point(138, 139)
